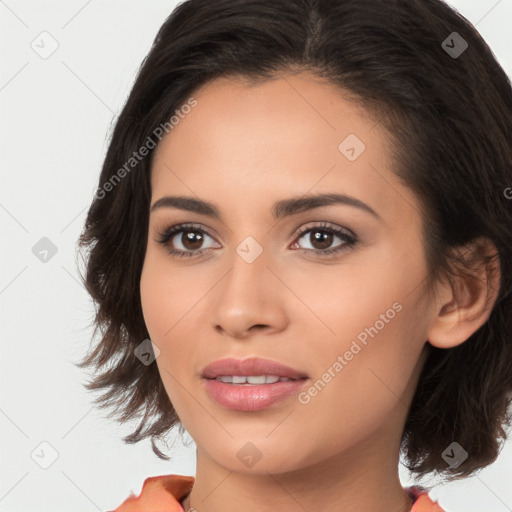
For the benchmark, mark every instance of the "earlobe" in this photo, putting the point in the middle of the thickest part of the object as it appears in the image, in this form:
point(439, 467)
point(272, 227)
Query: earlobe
point(464, 307)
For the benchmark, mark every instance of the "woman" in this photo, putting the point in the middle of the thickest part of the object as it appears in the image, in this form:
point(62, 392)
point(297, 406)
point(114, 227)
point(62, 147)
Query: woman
point(300, 249)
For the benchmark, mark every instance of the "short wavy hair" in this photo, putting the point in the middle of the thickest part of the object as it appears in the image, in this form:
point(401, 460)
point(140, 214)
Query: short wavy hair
point(448, 111)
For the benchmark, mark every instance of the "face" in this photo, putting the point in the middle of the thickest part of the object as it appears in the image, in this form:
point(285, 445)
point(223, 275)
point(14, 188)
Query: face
point(334, 290)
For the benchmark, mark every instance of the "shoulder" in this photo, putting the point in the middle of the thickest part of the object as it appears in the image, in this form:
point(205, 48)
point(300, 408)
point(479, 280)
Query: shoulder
point(159, 493)
point(422, 502)
point(164, 493)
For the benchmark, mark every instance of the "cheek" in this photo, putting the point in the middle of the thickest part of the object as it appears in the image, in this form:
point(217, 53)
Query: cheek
point(171, 299)
point(161, 300)
point(377, 329)
point(152, 296)
point(164, 292)
point(359, 388)
point(162, 310)
point(347, 298)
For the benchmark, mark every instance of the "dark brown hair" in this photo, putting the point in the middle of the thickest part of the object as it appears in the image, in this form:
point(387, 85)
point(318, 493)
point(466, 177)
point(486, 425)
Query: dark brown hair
point(449, 119)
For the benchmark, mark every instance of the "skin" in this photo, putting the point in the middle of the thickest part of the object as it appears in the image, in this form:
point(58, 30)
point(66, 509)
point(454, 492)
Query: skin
point(243, 147)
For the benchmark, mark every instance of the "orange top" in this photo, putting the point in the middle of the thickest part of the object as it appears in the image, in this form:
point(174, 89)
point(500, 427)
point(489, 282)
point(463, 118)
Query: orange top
point(164, 493)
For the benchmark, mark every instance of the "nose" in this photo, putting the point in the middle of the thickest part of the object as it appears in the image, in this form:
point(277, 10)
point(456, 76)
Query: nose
point(249, 299)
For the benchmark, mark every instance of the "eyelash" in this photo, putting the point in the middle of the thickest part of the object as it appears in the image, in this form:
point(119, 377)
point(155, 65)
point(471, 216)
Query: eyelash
point(346, 236)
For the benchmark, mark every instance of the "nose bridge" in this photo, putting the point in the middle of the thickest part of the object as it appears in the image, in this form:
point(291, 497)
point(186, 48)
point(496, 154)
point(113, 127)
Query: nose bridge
point(249, 266)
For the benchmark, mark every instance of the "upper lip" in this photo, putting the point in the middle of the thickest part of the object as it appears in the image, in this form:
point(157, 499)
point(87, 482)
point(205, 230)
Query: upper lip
point(251, 366)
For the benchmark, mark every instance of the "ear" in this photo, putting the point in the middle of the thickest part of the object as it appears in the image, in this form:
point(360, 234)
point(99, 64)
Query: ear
point(461, 311)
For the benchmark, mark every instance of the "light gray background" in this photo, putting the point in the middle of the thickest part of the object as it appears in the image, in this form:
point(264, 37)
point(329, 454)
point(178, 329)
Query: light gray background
point(56, 114)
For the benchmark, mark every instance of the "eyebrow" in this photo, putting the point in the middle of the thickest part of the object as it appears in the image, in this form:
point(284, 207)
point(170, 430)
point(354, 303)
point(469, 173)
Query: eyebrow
point(280, 209)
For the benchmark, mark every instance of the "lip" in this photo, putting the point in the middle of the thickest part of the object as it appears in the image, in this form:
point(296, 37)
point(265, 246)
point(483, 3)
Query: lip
point(250, 398)
point(250, 366)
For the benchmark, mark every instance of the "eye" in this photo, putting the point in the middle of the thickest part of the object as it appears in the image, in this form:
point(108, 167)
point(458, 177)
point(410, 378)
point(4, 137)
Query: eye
point(322, 236)
point(185, 240)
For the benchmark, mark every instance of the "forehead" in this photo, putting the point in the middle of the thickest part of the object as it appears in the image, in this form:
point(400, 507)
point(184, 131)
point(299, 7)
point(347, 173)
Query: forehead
point(280, 114)
point(292, 135)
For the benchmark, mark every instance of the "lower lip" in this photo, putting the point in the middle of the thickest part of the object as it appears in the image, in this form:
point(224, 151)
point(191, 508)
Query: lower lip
point(257, 397)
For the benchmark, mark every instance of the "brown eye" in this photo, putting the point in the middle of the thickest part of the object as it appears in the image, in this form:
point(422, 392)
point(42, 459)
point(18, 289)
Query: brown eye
point(184, 240)
point(321, 239)
point(189, 239)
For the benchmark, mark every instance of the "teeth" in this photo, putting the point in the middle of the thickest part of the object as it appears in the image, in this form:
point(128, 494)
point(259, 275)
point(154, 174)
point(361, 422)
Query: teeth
point(251, 379)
